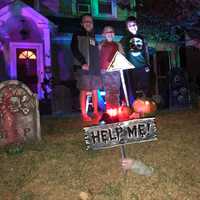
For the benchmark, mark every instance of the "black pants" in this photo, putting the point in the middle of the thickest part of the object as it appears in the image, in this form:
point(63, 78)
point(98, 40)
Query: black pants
point(137, 81)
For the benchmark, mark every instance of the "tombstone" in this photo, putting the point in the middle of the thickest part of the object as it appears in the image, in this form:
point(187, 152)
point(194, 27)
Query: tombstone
point(19, 114)
point(179, 89)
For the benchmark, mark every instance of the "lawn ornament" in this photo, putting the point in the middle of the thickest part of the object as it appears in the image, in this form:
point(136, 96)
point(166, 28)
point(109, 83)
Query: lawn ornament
point(144, 106)
point(124, 112)
point(120, 133)
point(111, 133)
point(8, 122)
point(19, 115)
point(135, 115)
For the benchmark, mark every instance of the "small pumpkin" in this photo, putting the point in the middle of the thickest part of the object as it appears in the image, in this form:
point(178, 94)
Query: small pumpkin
point(124, 112)
point(153, 107)
point(144, 105)
point(134, 115)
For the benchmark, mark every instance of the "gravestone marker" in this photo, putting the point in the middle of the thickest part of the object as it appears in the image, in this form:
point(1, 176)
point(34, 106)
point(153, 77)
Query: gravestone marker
point(179, 89)
point(19, 114)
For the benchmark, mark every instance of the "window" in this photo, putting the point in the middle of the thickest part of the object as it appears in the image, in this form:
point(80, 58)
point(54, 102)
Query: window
point(83, 6)
point(29, 2)
point(27, 55)
point(104, 8)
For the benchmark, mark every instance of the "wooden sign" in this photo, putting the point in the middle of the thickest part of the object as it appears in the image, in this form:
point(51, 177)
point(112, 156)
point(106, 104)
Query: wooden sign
point(19, 114)
point(116, 134)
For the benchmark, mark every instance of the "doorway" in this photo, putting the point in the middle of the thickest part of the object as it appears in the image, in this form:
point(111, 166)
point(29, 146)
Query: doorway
point(27, 67)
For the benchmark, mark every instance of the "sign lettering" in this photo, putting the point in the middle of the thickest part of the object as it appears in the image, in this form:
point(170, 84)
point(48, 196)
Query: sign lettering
point(110, 135)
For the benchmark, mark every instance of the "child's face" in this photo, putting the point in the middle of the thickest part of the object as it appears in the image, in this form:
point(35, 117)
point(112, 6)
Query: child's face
point(132, 27)
point(109, 35)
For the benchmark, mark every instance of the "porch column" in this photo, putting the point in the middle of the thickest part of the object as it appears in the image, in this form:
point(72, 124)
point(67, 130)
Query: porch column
point(47, 46)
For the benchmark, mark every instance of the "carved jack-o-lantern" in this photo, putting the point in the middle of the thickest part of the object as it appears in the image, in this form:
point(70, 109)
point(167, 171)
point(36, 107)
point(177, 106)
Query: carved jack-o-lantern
point(124, 112)
point(144, 106)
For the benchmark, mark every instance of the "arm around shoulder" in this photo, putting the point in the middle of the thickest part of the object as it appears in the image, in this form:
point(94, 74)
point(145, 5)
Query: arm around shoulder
point(120, 48)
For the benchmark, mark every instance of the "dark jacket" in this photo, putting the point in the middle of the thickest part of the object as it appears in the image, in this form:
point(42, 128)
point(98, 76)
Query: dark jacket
point(85, 51)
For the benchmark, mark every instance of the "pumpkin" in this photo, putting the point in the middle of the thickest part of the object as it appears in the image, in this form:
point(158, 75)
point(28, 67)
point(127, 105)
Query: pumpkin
point(153, 107)
point(144, 106)
point(124, 112)
point(134, 115)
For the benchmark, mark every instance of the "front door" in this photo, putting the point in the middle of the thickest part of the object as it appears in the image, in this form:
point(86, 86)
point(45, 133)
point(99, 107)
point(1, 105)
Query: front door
point(27, 67)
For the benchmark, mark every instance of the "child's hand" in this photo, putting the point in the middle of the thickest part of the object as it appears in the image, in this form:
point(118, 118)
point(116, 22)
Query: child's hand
point(85, 67)
point(127, 163)
point(137, 167)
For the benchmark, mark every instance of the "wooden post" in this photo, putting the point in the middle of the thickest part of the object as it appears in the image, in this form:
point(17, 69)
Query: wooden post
point(123, 151)
point(122, 148)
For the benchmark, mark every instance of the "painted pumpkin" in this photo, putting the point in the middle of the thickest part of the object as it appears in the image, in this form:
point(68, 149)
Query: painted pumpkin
point(145, 106)
point(124, 112)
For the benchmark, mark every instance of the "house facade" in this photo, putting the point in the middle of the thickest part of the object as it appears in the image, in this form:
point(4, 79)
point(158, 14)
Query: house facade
point(25, 44)
point(35, 38)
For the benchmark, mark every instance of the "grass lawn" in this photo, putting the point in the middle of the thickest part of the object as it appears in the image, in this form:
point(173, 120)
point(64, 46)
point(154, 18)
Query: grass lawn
point(59, 167)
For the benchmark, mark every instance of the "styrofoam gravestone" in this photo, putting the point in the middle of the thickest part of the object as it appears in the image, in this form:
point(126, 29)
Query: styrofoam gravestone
point(19, 114)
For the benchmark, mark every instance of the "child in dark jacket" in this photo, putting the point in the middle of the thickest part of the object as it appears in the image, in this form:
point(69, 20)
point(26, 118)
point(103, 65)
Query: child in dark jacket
point(86, 56)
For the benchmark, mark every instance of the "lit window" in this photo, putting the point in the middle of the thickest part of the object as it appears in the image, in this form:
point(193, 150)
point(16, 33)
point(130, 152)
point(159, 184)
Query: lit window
point(27, 55)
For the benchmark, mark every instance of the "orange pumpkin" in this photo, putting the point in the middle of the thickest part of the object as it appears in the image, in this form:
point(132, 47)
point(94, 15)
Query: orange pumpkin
point(134, 115)
point(153, 107)
point(145, 106)
point(124, 112)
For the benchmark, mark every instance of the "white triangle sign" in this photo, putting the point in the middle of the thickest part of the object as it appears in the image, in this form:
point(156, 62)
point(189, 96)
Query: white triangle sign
point(119, 62)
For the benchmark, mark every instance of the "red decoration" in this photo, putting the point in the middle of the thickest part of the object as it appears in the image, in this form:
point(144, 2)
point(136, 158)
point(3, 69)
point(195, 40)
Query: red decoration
point(124, 112)
point(112, 112)
point(134, 115)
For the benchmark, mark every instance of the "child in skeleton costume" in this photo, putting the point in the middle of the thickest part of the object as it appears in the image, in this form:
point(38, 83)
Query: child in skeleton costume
point(136, 52)
point(111, 80)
